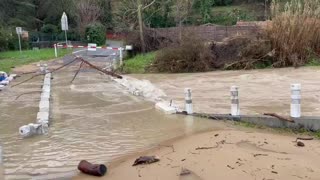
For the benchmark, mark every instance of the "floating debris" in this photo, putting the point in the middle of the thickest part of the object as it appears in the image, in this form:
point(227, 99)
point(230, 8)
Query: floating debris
point(146, 160)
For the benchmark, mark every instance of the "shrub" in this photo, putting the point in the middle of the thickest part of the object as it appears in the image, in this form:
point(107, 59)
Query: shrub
point(96, 33)
point(295, 32)
point(191, 55)
point(5, 37)
point(49, 28)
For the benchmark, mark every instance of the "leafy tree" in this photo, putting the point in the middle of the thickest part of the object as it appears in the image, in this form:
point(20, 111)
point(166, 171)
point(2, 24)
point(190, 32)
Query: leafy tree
point(96, 33)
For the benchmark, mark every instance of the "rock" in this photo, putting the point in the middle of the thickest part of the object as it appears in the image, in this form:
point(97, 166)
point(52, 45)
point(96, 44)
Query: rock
point(185, 172)
point(146, 160)
point(300, 144)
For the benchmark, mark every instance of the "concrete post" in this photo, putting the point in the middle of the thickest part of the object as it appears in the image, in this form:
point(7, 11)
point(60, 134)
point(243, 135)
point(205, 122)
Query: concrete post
point(114, 63)
point(29, 130)
point(235, 107)
point(295, 108)
point(121, 56)
point(188, 99)
point(55, 50)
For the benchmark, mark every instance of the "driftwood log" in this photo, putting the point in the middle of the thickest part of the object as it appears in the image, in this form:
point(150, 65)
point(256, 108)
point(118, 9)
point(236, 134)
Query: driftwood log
point(279, 117)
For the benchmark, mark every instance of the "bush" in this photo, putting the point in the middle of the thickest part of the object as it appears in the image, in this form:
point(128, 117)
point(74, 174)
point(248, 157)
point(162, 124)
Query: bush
point(295, 32)
point(96, 33)
point(191, 55)
point(223, 2)
point(5, 37)
point(49, 28)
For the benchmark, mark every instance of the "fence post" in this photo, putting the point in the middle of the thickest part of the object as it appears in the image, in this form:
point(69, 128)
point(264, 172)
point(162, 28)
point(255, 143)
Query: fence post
point(235, 108)
point(121, 56)
point(114, 63)
point(55, 50)
point(295, 107)
point(188, 99)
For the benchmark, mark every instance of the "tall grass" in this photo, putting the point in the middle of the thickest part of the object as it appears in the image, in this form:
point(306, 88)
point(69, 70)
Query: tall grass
point(295, 31)
point(139, 63)
point(10, 59)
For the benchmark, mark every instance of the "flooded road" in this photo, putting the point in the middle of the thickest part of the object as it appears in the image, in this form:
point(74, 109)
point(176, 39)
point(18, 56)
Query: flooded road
point(260, 91)
point(94, 119)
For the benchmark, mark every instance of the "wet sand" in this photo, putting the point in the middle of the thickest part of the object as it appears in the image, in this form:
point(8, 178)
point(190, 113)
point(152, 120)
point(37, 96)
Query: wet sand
point(261, 91)
point(243, 154)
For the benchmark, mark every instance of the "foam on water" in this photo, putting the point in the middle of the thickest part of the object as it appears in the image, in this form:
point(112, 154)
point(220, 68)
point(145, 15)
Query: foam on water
point(143, 88)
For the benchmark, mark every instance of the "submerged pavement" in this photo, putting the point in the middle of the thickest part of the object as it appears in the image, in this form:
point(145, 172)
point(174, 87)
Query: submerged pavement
point(260, 91)
point(93, 118)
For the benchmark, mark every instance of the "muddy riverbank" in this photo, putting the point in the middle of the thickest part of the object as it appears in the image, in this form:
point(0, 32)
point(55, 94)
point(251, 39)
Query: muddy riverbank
point(232, 153)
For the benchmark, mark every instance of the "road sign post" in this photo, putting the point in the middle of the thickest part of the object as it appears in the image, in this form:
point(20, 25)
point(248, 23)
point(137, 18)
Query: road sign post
point(65, 26)
point(19, 32)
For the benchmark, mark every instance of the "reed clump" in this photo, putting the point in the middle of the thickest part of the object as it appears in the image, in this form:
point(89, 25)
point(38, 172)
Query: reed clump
point(294, 32)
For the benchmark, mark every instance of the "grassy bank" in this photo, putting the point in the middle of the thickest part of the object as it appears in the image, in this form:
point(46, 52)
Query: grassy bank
point(138, 63)
point(302, 132)
point(12, 59)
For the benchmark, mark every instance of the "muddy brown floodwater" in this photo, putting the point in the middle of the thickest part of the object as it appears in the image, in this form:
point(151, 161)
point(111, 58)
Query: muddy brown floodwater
point(93, 119)
point(260, 91)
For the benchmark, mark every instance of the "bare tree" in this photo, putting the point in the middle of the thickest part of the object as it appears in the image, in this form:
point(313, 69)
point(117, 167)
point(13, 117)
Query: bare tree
point(128, 8)
point(182, 12)
point(88, 11)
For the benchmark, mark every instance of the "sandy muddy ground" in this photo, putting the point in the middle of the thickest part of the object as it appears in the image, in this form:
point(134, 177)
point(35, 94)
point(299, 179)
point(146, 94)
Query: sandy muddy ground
point(236, 154)
point(261, 91)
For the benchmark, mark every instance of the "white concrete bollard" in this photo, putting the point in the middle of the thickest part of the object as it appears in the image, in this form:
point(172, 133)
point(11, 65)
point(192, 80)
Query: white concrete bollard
point(45, 96)
point(46, 89)
point(43, 67)
point(48, 75)
point(44, 106)
point(295, 108)
point(47, 83)
point(29, 130)
point(188, 100)
point(43, 117)
point(235, 107)
point(121, 56)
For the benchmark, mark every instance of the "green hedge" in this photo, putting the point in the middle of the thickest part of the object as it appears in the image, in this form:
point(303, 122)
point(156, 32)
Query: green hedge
point(96, 33)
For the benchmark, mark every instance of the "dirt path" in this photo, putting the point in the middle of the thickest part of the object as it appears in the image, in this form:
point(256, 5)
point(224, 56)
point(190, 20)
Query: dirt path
point(261, 91)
